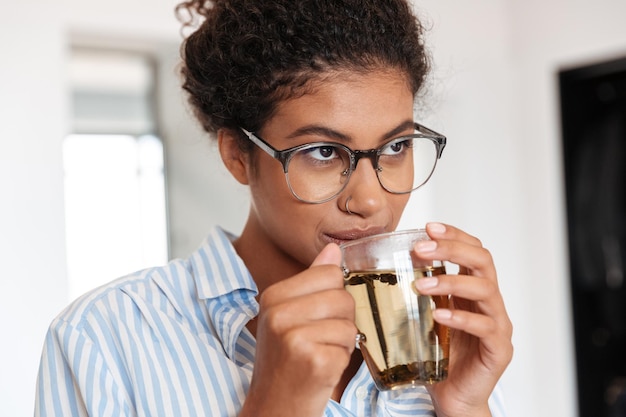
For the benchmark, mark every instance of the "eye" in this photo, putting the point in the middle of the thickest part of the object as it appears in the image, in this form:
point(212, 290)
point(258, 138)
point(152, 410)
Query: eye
point(322, 153)
point(322, 156)
point(325, 152)
point(397, 147)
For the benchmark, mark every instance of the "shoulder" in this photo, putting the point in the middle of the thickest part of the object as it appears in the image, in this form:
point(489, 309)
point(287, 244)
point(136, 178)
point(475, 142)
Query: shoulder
point(157, 297)
point(161, 285)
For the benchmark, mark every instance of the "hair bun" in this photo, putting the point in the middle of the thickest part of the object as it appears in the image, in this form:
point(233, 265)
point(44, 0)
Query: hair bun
point(192, 12)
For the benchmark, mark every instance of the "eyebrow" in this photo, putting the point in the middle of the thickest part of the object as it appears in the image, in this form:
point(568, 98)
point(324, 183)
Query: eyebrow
point(318, 130)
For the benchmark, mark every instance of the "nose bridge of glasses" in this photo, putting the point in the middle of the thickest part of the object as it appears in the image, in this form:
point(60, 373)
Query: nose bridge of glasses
point(371, 154)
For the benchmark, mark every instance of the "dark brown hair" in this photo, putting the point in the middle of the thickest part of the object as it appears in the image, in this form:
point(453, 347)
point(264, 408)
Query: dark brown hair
point(246, 56)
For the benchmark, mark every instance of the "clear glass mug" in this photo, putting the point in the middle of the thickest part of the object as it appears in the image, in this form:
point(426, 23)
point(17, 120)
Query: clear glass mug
point(401, 343)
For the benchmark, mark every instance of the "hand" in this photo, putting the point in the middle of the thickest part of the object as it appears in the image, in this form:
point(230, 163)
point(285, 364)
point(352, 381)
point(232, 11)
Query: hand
point(305, 336)
point(480, 345)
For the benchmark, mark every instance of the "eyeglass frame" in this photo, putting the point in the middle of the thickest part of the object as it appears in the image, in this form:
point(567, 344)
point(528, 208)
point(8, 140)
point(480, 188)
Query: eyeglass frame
point(284, 156)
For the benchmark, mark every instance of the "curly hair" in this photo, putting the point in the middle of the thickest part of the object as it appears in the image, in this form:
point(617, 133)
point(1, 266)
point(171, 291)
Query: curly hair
point(247, 56)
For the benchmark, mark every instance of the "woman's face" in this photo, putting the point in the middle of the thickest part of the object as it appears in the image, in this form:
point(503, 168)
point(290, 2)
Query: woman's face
point(363, 111)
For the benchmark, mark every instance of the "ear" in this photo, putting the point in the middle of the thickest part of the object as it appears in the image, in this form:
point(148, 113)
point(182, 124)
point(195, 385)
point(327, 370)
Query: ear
point(235, 160)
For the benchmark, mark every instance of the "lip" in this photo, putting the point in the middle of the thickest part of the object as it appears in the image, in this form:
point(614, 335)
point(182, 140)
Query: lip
point(352, 234)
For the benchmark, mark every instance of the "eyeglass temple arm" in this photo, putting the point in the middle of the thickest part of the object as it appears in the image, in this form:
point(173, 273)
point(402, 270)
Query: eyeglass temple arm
point(262, 144)
point(441, 139)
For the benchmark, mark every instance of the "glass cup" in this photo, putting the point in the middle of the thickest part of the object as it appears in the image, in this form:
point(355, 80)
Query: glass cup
point(401, 343)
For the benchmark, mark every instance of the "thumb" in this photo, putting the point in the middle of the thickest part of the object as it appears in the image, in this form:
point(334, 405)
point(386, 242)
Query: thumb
point(330, 255)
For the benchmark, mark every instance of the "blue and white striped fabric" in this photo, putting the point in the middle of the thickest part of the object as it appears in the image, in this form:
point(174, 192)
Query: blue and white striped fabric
point(172, 341)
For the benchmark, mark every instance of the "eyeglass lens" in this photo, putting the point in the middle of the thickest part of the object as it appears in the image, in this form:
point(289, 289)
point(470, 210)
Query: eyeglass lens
point(318, 173)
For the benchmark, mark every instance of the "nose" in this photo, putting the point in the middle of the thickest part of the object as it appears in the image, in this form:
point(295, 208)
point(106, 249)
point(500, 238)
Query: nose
point(364, 189)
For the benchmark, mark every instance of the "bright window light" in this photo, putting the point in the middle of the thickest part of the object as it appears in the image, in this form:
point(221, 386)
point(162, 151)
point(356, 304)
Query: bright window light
point(115, 207)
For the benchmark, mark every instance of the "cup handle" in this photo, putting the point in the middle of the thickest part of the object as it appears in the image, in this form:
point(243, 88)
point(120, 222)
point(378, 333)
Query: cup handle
point(360, 338)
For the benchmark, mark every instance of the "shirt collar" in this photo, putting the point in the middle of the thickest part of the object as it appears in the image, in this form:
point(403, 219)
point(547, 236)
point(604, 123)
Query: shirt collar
point(218, 269)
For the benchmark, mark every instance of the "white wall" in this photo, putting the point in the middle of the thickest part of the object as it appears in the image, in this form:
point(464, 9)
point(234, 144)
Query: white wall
point(493, 94)
point(32, 285)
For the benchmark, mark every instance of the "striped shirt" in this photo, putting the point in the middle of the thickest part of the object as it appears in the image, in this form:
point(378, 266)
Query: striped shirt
point(171, 341)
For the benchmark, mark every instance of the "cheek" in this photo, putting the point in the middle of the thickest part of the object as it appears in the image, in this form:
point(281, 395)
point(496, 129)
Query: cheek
point(265, 175)
point(301, 225)
point(398, 204)
point(288, 224)
point(273, 203)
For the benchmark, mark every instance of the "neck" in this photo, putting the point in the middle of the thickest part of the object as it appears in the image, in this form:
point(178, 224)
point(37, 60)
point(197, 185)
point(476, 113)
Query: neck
point(266, 261)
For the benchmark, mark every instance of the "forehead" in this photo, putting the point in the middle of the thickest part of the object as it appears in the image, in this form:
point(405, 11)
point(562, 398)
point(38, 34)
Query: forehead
point(352, 103)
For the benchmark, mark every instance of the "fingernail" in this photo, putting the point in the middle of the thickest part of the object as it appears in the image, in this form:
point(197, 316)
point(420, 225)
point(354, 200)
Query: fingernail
point(436, 228)
point(426, 283)
point(442, 313)
point(426, 246)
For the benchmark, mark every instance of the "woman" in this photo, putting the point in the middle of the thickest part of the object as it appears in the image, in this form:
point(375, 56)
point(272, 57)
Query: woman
point(259, 324)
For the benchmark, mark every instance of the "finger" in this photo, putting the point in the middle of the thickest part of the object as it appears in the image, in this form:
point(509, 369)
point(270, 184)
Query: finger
point(322, 350)
point(484, 292)
point(331, 332)
point(470, 257)
point(330, 255)
point(488, 330)
point(441, 231)
point(464, 286)
point(445, 231)
point(321, 305)
point(315, 279)
point(323, 274)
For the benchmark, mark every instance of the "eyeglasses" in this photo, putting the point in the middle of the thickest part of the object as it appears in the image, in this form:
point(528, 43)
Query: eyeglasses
point(317, 172)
